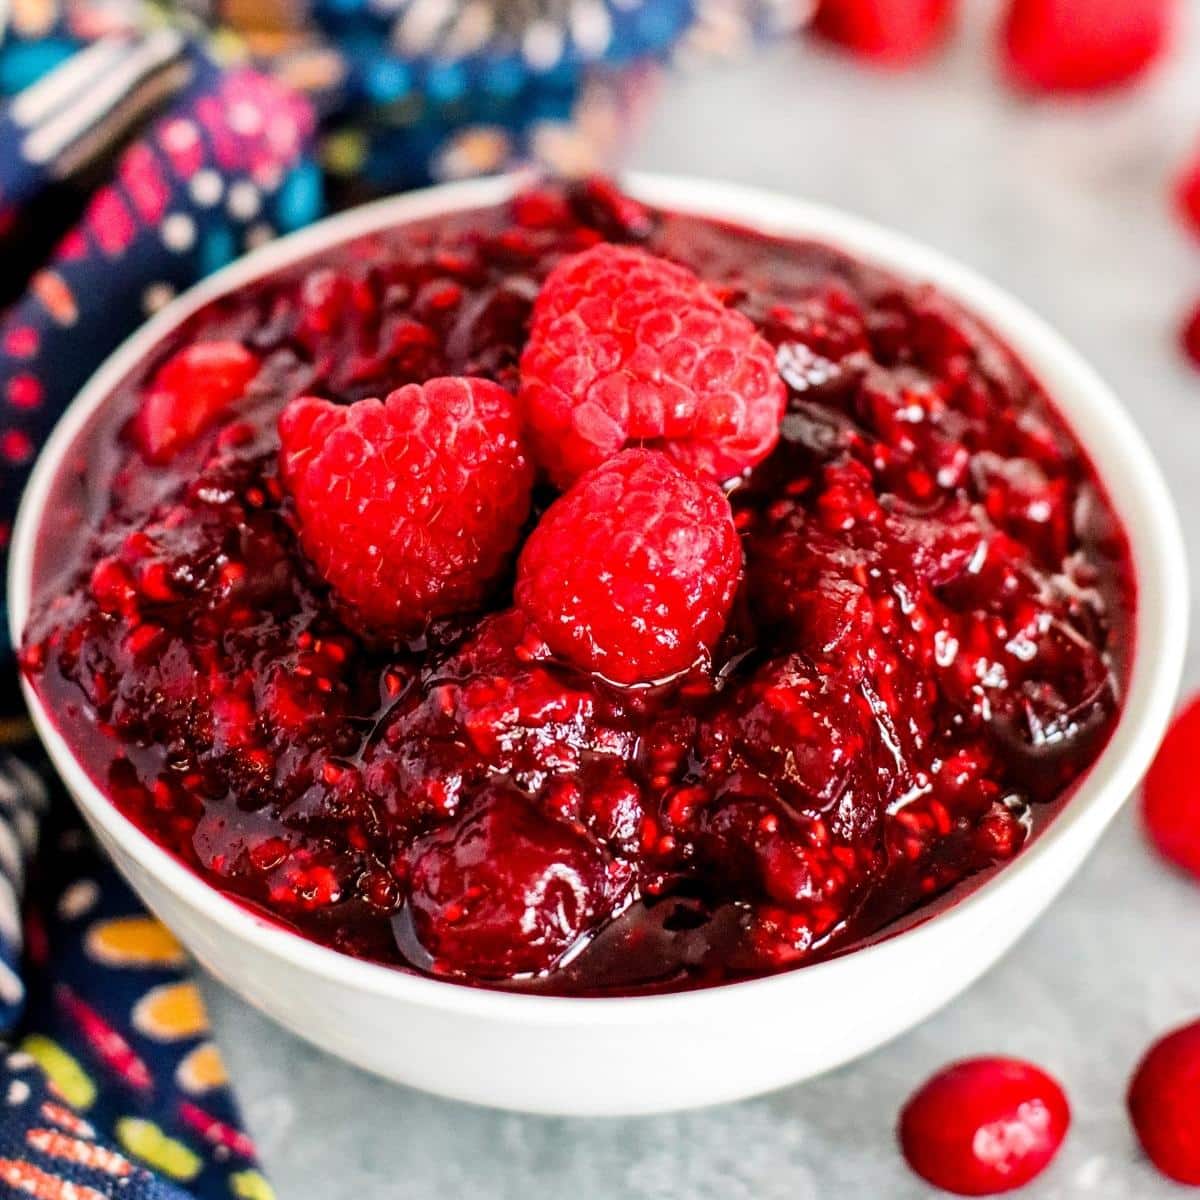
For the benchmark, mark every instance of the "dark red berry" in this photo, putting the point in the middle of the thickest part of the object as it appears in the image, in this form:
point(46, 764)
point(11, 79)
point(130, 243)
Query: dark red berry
point(504, 892)
point(189, 393)
point(889, 32)
point(1171, 793)
point(1187, 194)
point(409, 507)
point(631, 573)
point(913, 672)
point(984, 1126)
point(1189, 336)
point(1084, 45)
point(627, 348)
point(1164, 1104)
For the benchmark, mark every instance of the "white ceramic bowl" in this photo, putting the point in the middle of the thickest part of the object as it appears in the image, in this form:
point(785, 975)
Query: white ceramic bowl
point(648, 1054)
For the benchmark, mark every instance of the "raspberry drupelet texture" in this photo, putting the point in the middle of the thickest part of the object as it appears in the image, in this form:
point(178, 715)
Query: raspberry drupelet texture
point(626, 347)
point(408, 507)
point(631, 573)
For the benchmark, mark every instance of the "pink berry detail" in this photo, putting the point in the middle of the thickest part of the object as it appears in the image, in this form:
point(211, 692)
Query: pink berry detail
point(1164, 1104)
point(189, 393)
point(626, 348)
point(1084, 45)
point(984, 1126)
point(408, 507)
point(892, 33)
point(632, 572)
point(1171, 793)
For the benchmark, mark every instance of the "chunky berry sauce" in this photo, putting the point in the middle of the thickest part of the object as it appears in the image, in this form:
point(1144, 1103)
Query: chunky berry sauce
point(926, 650)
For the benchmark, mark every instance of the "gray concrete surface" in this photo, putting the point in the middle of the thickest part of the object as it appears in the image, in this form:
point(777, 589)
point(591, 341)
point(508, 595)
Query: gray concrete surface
point(1065, 205)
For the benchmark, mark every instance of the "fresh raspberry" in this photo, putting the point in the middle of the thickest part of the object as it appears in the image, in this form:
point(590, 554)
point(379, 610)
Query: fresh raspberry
point(1083, 45)
point(1164, 1100)
point(408, 507)
point(632, 572)
point(628, 348)
point(1189, 336)
point(984, 1126)
point(1171, 793)
point(189, 393)
point(890, 32)
point(506, 891)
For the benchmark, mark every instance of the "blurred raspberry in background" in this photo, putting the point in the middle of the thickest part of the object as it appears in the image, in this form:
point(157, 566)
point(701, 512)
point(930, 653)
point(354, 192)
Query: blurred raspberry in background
point(893, 33)
point(1064, 50)
point(1084, 45)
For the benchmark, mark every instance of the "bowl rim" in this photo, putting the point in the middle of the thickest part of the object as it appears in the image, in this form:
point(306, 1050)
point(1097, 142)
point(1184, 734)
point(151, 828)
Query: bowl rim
point(1138, 491)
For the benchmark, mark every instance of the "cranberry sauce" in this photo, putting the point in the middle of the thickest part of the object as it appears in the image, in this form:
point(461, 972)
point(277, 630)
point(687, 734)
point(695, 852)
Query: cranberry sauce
point(927, 649)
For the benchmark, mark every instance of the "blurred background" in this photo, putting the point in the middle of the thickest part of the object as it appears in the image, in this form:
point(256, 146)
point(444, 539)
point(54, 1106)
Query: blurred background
point(1059, 173)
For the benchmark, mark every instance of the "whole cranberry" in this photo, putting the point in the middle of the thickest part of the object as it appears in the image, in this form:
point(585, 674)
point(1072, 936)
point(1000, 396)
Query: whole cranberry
point(1171, 793)
point(188, 394)
point(506, 891)
point(1164, 1104)
point(984, 1126)
point(1189, 335)
point(893, 33)
point(1084, 45)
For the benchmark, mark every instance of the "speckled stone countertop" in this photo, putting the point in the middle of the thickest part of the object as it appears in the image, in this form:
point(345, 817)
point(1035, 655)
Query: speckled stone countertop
point(1065, 205)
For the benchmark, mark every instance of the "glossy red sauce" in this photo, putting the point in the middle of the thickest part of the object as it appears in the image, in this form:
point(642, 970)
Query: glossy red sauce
point(927, 652)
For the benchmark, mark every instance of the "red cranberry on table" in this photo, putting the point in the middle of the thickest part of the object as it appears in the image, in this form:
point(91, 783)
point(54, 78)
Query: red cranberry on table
point(1187, 202)
point(1084, 45)
point(1164, 1104)
point(1189, 336)
point(892, 33)
point(1171, 793)
point(921, 616)
point(984, 1126)
point(408, 507)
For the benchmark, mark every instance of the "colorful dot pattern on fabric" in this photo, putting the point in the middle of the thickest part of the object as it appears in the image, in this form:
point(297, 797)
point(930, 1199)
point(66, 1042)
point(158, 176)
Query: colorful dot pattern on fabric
point(117, 1081)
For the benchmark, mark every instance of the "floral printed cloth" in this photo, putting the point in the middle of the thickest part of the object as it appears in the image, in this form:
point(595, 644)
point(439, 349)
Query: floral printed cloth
point(143, 146)
point(109, 1085)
